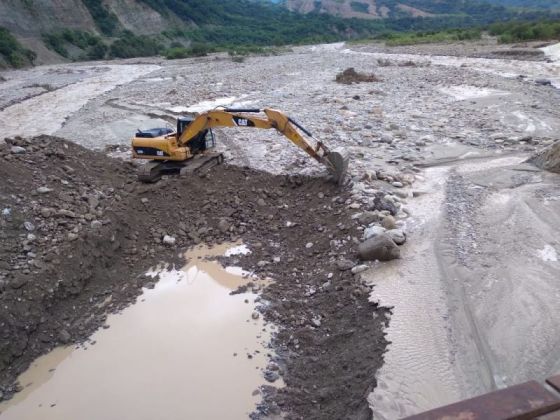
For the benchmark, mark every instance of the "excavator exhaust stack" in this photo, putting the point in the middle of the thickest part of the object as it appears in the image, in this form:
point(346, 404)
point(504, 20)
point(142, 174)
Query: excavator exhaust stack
point(337, 162)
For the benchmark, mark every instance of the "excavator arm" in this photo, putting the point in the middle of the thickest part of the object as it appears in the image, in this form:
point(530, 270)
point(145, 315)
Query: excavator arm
point(175, 151)
point(335, 161)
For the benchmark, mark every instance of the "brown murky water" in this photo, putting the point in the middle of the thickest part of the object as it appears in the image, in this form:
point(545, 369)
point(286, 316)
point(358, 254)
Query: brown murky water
point(181, 352)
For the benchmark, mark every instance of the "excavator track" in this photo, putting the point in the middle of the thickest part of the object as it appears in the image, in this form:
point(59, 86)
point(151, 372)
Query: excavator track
point(153, 171)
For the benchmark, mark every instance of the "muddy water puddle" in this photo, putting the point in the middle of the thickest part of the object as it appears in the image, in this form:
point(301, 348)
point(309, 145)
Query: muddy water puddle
point(187, 349)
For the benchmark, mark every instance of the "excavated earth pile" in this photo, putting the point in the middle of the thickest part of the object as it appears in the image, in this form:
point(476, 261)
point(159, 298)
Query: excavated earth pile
point(78, 233)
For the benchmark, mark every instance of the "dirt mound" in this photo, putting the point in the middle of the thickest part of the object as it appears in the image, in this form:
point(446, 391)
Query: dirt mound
point(350, 75)
point(548, 159)
point(78, 232)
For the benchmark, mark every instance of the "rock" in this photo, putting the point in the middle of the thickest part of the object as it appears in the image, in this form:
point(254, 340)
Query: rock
point(380, 248)
point(368, 217)
point(255, 315)
point(359, 269)
point(96, 224)
point(72, 237)
point(43, 190)
point(168, 240)
point(548, 159)
point(271, 376)
point(309, 245)
point(17, 150)
point(144, 200)
point(344, 264)
point(397, 184)
point(30, 227)
point(223, 225)
point(261, 202)
point(64, 336)
point(31, 237)
point(397, 235)
point(372, 231)
point(46, 212)
point(386, 138)
point(18, 281)
point(389, 222)
point(543, 82)
point(262, 263)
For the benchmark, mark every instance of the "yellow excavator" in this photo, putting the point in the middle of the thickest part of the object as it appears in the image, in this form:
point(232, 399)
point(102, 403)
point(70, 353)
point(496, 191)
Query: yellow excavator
point(189, 148)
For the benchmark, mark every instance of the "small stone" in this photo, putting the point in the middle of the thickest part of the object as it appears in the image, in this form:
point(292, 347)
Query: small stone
point(261, 202)
point(64, 337)
point(17, 150)
point(46, 212)
point(386, 138)
point(276, 259)
point(255, 315)
point(144, 200)
point(543, 82)
point(30, 227)
point(359, 269)
point(380, 248)
point(168, 240)
point(368, 217)
point(31, 237)
point(321, 195)
point(373, 231)
point(397, 235)
point(43, 190)
point(223, 225)
point(309, 245)
point(397, 184)
point(262, 263)
point(271, 376)
point(344, 264)
point(389, 222)
point(96, 224)
point(72, 237)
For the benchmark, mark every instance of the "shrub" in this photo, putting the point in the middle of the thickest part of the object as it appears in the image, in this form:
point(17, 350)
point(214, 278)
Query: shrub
point(13, 52)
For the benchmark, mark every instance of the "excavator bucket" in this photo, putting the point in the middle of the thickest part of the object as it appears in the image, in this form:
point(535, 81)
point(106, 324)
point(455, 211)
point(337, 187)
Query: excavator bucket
point(338, 164)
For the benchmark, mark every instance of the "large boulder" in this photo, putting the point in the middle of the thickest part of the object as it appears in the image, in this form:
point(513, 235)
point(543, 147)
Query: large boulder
point(380, 247)
point(548, 159)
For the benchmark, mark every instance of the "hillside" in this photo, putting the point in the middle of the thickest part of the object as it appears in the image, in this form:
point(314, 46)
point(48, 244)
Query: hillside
point(392, 9)
point(529, 4)
point(49, 31)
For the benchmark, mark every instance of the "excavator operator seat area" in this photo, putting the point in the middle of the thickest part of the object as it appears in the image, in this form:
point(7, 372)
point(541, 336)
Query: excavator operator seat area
point(153, 133)
point(203, 140)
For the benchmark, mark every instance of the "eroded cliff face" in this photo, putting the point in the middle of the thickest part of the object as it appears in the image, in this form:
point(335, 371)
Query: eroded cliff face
point(31, 18)
point(138, 17)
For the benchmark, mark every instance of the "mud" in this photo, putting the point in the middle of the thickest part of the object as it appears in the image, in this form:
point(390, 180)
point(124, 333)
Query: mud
point(79, 233)
point(181, 346)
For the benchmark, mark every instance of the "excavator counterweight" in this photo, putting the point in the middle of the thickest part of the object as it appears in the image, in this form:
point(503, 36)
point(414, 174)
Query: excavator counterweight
point(188, 149)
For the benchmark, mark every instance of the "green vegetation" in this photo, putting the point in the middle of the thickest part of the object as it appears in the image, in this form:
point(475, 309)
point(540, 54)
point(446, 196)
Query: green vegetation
point(526, 31)
point(429, 37)
point(195, 50)
point(359, 7)
point(129, 45)
point(13, 52)
point(92, 45)
point(106, 21)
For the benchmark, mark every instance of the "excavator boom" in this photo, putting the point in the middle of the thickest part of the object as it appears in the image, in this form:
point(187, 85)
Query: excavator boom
point(179, 146)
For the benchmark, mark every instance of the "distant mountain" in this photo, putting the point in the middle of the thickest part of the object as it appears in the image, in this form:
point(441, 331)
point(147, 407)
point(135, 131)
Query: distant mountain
point(529, 4)
point(390, 9)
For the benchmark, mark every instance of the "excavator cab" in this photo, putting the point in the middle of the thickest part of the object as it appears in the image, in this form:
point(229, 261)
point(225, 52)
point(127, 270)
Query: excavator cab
point(202, 141)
